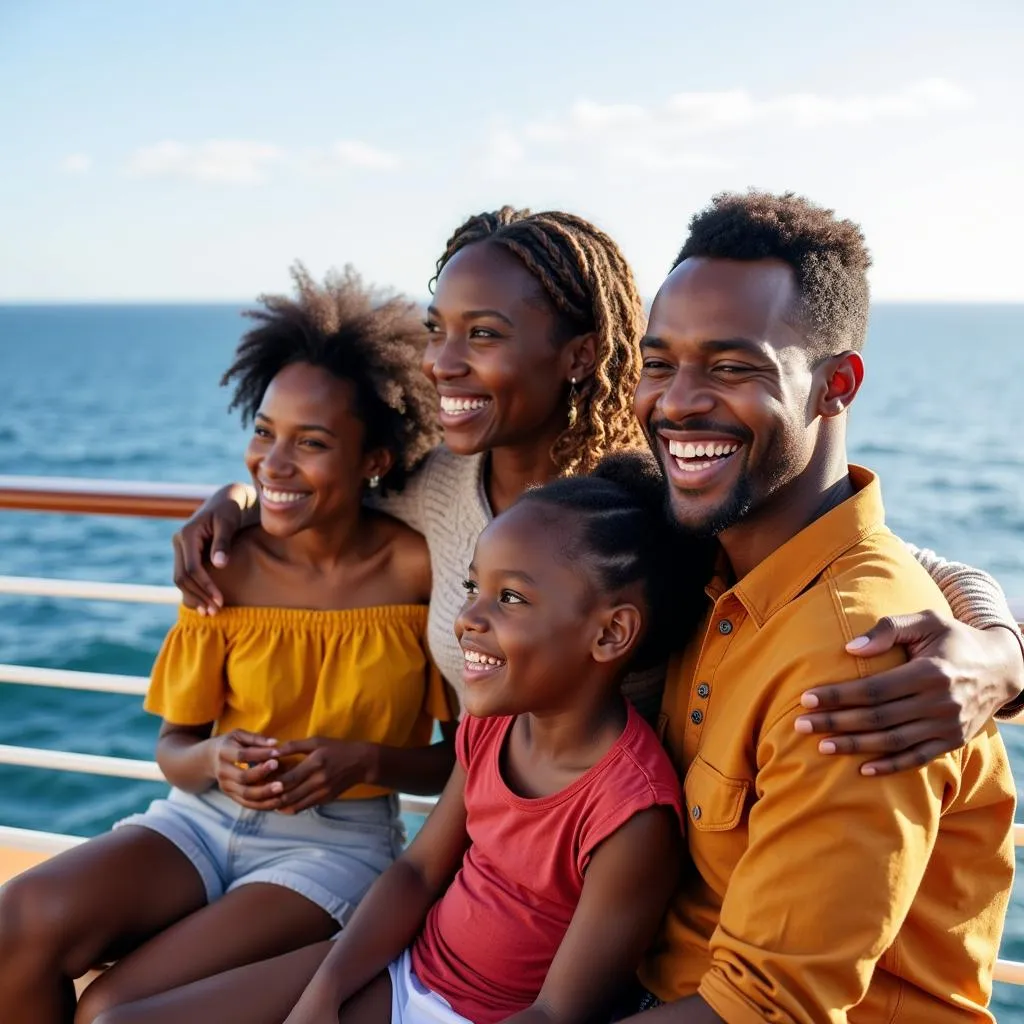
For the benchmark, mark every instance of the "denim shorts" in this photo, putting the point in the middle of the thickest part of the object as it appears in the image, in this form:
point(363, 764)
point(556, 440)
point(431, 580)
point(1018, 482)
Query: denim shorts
point(330, 854)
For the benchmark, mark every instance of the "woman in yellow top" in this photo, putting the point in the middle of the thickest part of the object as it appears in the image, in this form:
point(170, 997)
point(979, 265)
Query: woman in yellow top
point(290, 719)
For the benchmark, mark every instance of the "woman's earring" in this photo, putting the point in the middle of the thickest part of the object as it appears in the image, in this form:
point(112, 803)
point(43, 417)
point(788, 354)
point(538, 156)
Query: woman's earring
point(375, 481)
point(572, 403)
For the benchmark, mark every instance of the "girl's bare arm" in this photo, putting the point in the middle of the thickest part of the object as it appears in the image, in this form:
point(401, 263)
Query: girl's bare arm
point(392, 913)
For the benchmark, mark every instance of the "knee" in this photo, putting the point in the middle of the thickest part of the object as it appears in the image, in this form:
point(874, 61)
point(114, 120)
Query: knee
point(33, 918)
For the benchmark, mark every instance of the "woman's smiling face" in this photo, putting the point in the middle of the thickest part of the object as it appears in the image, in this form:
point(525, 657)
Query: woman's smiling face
point(306, 454)
point(494, 353)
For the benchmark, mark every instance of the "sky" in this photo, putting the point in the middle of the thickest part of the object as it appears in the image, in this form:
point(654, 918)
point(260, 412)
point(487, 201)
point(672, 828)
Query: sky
point(192, 151)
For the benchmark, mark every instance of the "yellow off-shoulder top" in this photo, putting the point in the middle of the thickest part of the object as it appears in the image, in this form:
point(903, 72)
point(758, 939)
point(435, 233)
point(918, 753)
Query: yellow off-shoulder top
point(356, 674)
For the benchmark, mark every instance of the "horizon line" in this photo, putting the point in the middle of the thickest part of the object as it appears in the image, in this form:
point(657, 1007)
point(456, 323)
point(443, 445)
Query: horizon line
point(157, 302)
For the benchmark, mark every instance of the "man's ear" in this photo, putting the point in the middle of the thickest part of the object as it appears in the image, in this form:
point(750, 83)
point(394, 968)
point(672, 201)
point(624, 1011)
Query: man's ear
point(619, 634)
point(841, 377)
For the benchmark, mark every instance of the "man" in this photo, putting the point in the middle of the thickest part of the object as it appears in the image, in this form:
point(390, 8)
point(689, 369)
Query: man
point(818, 894)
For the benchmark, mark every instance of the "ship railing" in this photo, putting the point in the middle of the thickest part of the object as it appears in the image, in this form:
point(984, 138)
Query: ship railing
point(173, 501)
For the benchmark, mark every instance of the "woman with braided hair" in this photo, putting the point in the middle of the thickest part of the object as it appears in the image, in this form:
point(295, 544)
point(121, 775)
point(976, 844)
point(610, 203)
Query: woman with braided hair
point(534, 330)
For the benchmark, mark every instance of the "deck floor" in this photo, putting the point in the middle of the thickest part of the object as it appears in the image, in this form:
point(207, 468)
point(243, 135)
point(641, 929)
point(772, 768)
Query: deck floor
point(13, 862)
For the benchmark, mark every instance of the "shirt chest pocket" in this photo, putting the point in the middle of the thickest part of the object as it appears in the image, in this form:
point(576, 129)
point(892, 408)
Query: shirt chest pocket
point(717, 826)
point(714, 802)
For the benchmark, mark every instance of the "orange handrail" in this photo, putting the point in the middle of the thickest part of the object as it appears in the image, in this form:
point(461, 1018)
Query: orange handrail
point(101, 497)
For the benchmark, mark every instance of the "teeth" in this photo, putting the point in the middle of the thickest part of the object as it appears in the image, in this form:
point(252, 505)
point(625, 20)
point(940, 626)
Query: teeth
point(708, 449)
point(482, 660)
point(282, 497)
point(452, 405)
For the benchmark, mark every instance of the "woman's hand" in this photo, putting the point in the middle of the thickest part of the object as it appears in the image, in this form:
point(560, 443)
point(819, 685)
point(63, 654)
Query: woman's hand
point(208, 534)
point(328, 768)
point(242, 762)
point(955, 680)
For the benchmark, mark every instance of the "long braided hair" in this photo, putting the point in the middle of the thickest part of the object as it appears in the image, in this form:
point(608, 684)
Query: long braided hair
point(586, 277)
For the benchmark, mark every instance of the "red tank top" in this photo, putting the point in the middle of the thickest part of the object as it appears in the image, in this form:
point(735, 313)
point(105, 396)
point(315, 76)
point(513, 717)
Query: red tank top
point(488, 942)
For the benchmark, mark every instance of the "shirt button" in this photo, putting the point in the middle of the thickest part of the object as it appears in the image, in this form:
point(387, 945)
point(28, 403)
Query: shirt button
point(703, 690)
point(696, 717)
point(696, 812)
point(724, 627)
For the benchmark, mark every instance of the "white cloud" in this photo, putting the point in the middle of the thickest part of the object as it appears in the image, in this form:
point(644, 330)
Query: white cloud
point(227, 161)
point(241, 162)
point(353, 153)
point(76, 163)
point(694, 130)
point(505, 157)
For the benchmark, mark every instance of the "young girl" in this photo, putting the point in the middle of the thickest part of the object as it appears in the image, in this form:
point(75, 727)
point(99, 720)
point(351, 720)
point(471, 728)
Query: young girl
point(291, 718)
point(544, 870)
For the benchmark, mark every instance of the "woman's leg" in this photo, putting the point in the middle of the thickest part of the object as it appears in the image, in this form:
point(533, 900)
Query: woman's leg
point(249, 924)
point(71, 912)
point(259, 993)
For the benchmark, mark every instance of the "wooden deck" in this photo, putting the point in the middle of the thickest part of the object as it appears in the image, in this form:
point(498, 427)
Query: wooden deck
point(13, 862)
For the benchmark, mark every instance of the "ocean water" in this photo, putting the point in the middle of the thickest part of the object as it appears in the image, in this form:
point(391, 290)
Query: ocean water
point(131, 393)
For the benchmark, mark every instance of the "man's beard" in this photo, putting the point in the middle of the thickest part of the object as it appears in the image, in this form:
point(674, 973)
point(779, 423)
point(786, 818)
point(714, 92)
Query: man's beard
point(736, 507)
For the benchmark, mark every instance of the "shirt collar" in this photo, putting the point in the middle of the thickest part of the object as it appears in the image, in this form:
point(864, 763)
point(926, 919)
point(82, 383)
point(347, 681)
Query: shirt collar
point(788, 571)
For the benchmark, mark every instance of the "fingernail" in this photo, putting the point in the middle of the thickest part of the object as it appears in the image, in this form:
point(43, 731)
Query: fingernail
point(271, 765)
point(809, 700)
point(827, 747)
point(201, 610)
point(276, 787)
point(868, 770)
point(212, 609)
point(804, 725)
point(857, 643)
point(219, 559)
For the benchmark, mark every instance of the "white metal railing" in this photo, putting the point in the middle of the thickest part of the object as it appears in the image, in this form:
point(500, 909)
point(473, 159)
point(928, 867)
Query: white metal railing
point(174, 500)
point(65, 679)
point(32, 586)
point(90, 764)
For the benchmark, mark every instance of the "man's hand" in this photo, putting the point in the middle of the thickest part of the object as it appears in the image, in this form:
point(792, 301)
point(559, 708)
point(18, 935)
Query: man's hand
point(957, 678)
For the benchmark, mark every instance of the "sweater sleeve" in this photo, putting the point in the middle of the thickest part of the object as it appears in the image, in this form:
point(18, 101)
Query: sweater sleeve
point(976, 599)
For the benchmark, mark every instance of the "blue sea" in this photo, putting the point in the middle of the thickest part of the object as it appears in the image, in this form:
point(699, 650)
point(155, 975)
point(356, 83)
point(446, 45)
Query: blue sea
point(130, 392)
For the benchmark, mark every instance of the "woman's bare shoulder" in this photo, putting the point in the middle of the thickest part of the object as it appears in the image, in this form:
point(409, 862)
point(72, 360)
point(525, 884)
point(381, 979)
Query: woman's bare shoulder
point(408, 554)
point(239, 580)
